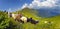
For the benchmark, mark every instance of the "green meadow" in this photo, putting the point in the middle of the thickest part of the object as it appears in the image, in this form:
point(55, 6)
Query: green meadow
point(44, 23)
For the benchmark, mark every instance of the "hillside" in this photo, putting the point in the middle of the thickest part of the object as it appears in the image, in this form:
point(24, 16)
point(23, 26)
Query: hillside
point(29, 13)
point(53, 21)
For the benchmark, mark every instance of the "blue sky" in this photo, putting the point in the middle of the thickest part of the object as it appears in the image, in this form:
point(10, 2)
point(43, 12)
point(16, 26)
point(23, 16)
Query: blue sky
point(12, 4)
point(36, 4)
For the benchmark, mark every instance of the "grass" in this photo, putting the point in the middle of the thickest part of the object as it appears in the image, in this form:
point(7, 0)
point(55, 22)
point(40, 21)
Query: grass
point(42, 25)
point(54, 21)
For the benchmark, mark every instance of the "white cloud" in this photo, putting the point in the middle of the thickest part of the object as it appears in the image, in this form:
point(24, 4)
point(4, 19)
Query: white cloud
point(39, 4)
point(48, 3)
point(25, 5)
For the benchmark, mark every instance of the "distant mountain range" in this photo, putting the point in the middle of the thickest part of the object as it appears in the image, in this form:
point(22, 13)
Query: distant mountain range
point(48, 12)
point(42, 12)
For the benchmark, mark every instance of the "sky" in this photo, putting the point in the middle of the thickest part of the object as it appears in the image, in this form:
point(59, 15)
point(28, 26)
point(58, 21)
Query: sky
point(13, 5)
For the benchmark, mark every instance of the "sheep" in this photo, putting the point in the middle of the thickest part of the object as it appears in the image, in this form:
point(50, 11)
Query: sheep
point(19, 18)
point(23, 19)
point(32, 21)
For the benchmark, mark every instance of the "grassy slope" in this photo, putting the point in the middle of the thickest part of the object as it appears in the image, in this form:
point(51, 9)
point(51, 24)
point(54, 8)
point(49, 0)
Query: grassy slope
point(31, 13)
point(55, 22)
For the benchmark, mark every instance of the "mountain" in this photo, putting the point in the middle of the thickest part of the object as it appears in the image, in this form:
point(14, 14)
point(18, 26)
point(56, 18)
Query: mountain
point(52, 22)
point(29, 13)
point(43, 12)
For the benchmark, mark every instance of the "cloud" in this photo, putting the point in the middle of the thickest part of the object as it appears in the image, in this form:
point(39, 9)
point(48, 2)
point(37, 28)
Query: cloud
point(57, 2)
point(25, 5)
point(47, 3)
point(41, 3)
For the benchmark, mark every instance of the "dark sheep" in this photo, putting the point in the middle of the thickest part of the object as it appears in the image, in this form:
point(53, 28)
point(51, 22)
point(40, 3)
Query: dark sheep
point(32, 21)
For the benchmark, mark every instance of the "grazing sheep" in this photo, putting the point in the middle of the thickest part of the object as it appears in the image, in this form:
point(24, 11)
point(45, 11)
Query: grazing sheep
point(32, 21)
point(19, 18)
point(22, 19)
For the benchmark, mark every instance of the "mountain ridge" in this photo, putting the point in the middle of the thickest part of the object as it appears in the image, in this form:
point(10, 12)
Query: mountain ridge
point(40, 12)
